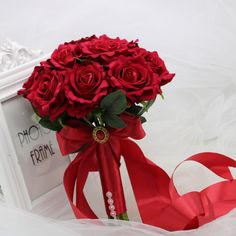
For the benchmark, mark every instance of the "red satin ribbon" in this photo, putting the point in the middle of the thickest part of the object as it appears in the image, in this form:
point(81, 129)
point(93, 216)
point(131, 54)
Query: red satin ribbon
point(158, 201)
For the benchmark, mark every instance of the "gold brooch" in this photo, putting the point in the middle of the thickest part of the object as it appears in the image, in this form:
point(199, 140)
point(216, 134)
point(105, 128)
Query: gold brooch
point(100, 134)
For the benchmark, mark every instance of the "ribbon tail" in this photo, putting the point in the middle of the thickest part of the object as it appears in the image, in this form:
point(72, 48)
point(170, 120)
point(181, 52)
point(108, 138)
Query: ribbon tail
point(213, 201)
point(76, 175)
point(149, 182)
point(215, 162)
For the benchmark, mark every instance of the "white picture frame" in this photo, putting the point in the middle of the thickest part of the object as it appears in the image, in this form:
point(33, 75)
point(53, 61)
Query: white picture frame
point(18, 175)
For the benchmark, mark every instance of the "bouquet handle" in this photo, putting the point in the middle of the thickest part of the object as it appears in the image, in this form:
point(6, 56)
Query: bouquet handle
point(109, 170)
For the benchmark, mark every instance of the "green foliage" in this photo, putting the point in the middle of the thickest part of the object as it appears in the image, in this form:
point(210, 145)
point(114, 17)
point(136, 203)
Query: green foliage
point(146, 106)
point(56, 125)
point(143, 119)
point(113, 120)
point(47, 123)
point(114, 103)
point(111, 107)
point(134, 109)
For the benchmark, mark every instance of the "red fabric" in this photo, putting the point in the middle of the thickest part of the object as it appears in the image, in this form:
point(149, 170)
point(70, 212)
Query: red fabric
point(158, 201)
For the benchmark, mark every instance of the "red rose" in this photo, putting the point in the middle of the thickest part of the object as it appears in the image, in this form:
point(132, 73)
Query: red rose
point(133, 44)
point(85, 86)
point(44, 89)
point(81, 40)
point(135, 78)
point(63, 56)
point(163, 73)
point(104, 46)
point(47, 64)
point(156, 63)
point(76, 47)
point(28, 85)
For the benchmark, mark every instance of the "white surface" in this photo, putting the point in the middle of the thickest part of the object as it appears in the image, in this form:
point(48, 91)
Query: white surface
point(196, 38)
point(20, 223)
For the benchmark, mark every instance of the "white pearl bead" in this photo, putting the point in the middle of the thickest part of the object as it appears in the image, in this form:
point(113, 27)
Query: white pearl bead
point(109, 194)
point(110, 201)
point(113, 213)
point(112, 207)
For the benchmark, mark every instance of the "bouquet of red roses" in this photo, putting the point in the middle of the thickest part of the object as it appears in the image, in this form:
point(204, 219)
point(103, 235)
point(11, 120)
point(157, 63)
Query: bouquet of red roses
point(95, 80)
point(93, 92)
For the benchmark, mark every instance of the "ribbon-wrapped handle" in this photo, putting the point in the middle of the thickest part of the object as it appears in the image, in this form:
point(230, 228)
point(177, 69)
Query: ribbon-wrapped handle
point(109, 171)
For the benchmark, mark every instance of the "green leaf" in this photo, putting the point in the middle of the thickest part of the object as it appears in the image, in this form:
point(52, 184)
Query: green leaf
point(37, 117)
point(79, 60)
point(36, 112)
point(114, 103)
point(149, 104)
point(60, 121)
point(113, 121)
point(146, 106)
point(162, 96)
point(134, 109)
point(47, 123)
point(143, 119)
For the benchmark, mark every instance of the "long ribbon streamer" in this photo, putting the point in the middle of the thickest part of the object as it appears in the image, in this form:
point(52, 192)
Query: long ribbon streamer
point(157, 199)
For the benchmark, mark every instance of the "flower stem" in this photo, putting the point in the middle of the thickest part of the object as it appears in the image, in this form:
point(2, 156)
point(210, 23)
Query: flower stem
point(87, 121)
point(123, 216)
point(99, 120)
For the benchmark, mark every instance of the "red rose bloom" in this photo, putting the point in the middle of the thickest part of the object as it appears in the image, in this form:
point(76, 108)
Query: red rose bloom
point(81, 40)
point(44, 89)
point(85, 86)
point(135, 78)
point(163, 73)
point(76, 47)
point(63, 56)
point(156, 63)
point(28, 85)
point(104, 46)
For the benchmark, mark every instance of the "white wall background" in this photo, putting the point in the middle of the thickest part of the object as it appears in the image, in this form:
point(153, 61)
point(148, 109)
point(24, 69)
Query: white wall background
point(197, 38)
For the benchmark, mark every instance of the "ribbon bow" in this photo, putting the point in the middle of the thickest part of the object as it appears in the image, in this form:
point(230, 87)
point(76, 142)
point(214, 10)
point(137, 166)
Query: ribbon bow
point(157, 199)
